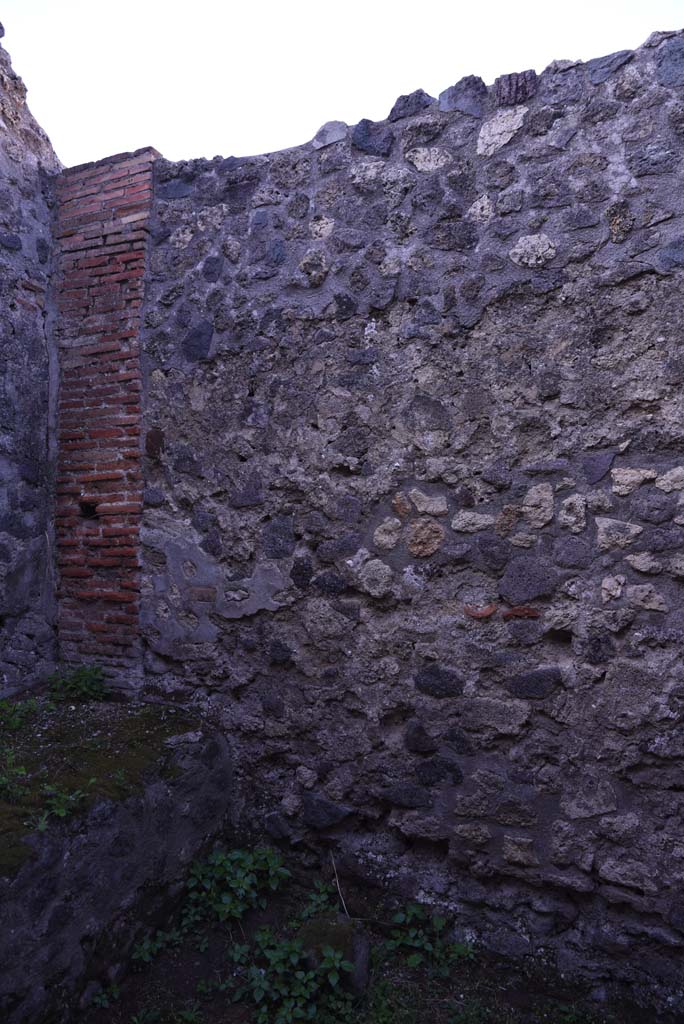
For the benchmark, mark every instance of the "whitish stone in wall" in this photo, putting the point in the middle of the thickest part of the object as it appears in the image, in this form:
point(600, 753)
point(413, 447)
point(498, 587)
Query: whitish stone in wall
point(673, 480)
point(429, 504)
point(425, 538)
point(499, 130)
point(473, 834)
point(533, 251)
point(630, 873)
point(321, 227)
point(614, 533)
point(627, 480)
point(676, 567)
point(375, 578)
point(314, 265)
point(611, 588)
point(386, 536)
point(481, 211)
point(537, 506)
point(429, 158)
point(523, 540)
point(646, 596)
point(600, 501)
point(573, 513)
point(504, 717)
point(470, 522)
point(331, 131)
point(519, 850)
point(645, 562)
point(588, 796)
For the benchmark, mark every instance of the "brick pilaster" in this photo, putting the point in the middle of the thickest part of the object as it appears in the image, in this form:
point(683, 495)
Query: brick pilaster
point(102, 230)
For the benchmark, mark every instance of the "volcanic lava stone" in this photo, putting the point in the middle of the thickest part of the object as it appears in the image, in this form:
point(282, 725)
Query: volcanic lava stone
point(417, 739)
point(320, 813)
point(374, 138)
point(439, 682)
point(527, 578)
point(535, 685)
point(407, 106)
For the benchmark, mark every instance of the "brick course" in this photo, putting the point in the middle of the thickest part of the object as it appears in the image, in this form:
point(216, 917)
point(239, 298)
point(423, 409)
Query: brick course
point(102, 229)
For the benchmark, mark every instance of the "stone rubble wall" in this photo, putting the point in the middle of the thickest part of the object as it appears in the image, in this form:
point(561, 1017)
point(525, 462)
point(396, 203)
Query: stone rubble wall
point(414, 496)
point(28, 369)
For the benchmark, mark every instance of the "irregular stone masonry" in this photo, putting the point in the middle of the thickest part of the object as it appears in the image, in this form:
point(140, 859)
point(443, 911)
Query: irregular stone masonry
point(411, 512)
point(102, 228)
point(27, 387)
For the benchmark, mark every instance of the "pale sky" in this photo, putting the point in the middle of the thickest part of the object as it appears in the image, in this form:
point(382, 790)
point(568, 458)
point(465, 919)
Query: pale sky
point(234, 78)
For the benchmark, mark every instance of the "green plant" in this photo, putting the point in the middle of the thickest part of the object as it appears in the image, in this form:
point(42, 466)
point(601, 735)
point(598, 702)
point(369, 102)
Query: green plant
point(388, 1004)
point(318, 902)
point(208, 986)
point(147, 1016)
point(474, 1012)
point(84, 683)
point(145, 951)
point(228, 884)
point(285, 987)
point(40, 821)
point(106, 997)
point(573, 1015)
point(420, 937)
point(15, 714)
point(12, 776)
point(190, 1015)
point(60, 802)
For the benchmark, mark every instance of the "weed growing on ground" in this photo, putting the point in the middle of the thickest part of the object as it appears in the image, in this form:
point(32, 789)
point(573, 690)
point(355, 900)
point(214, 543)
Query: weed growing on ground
point(473, 1012)
point(229, 883)
point(574, 1015)
point(79, 684)
point(145, 952)
point(284, 987)
point(190, 1015)
point(12, 777)
point(15, 714)
point(387, 1005)
point(324, 898)
point(104, 999)
point(60, 803)
point(147, 1016)
point(420, 937)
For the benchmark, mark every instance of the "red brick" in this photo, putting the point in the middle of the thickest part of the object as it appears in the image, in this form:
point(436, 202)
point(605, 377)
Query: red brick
point(102, 226)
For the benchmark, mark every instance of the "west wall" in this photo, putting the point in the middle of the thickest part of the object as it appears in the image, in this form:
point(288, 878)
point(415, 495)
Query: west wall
point(28, 369)
point(413, 479)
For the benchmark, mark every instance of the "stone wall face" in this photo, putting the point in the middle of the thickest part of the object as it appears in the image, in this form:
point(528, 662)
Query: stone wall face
point(26, 369)
point(413, 511)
